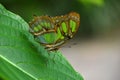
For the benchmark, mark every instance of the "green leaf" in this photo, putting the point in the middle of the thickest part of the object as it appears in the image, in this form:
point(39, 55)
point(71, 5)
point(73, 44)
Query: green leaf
point(22, 58)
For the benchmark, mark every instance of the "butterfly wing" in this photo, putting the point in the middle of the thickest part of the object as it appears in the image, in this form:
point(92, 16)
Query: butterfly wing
point(67, 25)
point(41, 24)
point(74, 22)
point(42, 27)
point(52, 32)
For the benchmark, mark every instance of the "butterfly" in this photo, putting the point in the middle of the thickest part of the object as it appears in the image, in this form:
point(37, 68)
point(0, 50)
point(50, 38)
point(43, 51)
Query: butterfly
point(52, 32)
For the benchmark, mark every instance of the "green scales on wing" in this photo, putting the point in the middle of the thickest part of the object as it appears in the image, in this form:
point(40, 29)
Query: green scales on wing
point(52, 32)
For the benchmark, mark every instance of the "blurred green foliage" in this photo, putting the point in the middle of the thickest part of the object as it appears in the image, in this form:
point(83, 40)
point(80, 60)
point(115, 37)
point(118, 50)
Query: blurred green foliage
point(95, 2)
point(98, 17)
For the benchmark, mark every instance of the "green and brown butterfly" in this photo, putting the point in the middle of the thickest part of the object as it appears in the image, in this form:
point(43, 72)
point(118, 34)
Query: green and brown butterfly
point(52, 32)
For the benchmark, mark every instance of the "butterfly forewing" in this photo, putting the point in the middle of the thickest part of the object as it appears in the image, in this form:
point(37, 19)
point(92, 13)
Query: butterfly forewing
point(74, 21)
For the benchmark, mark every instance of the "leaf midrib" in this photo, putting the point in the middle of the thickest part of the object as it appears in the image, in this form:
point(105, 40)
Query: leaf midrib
point(17, 67)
